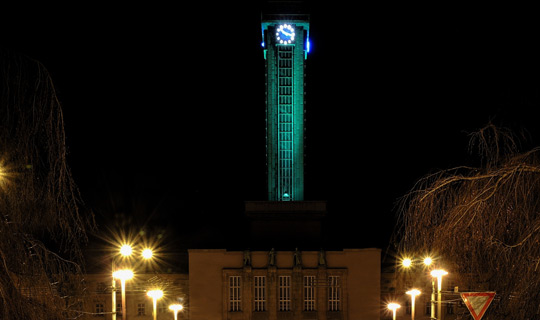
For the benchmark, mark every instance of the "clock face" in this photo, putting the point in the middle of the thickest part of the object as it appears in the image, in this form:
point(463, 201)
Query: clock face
point(285, 34)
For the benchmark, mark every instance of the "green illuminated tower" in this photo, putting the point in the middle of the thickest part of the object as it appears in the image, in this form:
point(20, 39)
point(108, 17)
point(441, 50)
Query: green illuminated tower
point(286, 217)
point(286, 44)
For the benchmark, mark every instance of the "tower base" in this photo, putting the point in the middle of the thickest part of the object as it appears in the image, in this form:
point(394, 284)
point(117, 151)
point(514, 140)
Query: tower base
point(286, 224)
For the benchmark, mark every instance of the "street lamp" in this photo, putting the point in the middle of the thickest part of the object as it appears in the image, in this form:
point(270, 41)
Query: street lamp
point(175, 308)
point(147, 253)
point(123, 275)
point(393, 306)
point(155, 295)
point(406, 262)
point(126, 250)
point(439, 273)
point(413, 293)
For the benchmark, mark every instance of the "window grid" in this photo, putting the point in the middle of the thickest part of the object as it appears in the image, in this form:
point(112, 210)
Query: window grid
point(259, 295)
point(99, 310)
point(284, 293)
point(141, 309)
point(309, 293)
point(235, 293)
point(119, 308)
point(285, 124)
point(334, 294)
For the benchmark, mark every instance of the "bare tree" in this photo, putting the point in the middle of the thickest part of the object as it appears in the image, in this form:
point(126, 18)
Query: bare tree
point(41, 225)
point(483, 223)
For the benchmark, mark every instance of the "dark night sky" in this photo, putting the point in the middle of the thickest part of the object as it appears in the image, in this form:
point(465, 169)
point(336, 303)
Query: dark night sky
point(164, 107)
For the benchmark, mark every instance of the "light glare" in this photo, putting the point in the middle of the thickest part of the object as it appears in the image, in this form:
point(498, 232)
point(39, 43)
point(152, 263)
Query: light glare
point(124, 274)
point(147, 253)
point(413, 292)
point(155, 294)
point(407, 262)
point(126, 250)
point(438, 273)
point(176, 307)
point(393, 306)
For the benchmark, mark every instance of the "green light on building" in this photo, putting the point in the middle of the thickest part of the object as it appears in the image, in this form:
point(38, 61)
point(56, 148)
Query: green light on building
point(285, 42)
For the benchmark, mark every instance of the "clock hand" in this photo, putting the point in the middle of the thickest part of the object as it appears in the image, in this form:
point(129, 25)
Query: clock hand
point(286, 33)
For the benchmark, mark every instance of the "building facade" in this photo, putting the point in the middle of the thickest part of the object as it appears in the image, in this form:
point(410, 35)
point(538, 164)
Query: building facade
point(289, 285)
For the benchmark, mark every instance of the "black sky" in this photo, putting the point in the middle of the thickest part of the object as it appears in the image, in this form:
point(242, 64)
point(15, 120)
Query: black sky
point(164, 106)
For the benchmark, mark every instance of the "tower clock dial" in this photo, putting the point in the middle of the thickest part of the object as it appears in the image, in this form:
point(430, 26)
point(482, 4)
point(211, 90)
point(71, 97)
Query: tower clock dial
point(285, 34)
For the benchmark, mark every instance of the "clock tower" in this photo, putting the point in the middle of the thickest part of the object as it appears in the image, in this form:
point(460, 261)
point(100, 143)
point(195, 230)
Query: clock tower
point(285, 40)
point(286, 217)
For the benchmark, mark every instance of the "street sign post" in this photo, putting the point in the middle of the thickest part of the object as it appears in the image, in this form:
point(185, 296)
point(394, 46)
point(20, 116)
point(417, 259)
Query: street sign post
point(477, 302)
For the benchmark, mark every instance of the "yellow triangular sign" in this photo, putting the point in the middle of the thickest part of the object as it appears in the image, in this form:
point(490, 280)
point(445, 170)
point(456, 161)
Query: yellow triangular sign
point(477, 302)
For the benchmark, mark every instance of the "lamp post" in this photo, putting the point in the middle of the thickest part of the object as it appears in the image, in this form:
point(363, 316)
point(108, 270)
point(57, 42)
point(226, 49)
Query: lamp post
point(393, 306)
point(439, 273)
point(175, 308)
point(413, 293)
point(126, 251)
point(155, 295)
point(123, 275)
point(408, 263)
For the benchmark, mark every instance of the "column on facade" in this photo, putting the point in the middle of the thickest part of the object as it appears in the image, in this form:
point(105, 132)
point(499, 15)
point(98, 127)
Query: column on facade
point(247, 305)
point(322, 293)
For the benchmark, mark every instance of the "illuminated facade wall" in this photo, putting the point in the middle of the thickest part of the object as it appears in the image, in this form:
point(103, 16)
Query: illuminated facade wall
point(285, 42)
point(286, 285)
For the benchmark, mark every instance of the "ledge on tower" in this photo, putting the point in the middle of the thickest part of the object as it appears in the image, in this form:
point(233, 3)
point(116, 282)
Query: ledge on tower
point(282, 223)
point(285, 209)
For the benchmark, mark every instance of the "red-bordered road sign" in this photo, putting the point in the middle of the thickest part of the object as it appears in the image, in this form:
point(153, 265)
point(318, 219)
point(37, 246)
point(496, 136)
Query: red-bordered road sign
point(477, 302)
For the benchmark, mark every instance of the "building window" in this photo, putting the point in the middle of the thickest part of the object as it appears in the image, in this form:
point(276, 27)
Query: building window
point(450, 308)
point(119, 309)
point(163, 308)
point(428, 308)
point(99, 310)
point(309, 293)
point(284, 293)
point(259, 294)
point(141, 309)
point(334, 293)
point(235, 293)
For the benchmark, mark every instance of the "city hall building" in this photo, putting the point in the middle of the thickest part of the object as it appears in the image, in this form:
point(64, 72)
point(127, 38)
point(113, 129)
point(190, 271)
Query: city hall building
point(281, 272)
point(292, 283)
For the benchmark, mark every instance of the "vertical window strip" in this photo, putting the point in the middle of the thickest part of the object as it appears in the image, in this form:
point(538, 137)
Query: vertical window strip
point(259, 293)
point(141, 309)
point(284, 293)
point(235, 293)
point(309, 293)
point(99, 309)
point(334, 294)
